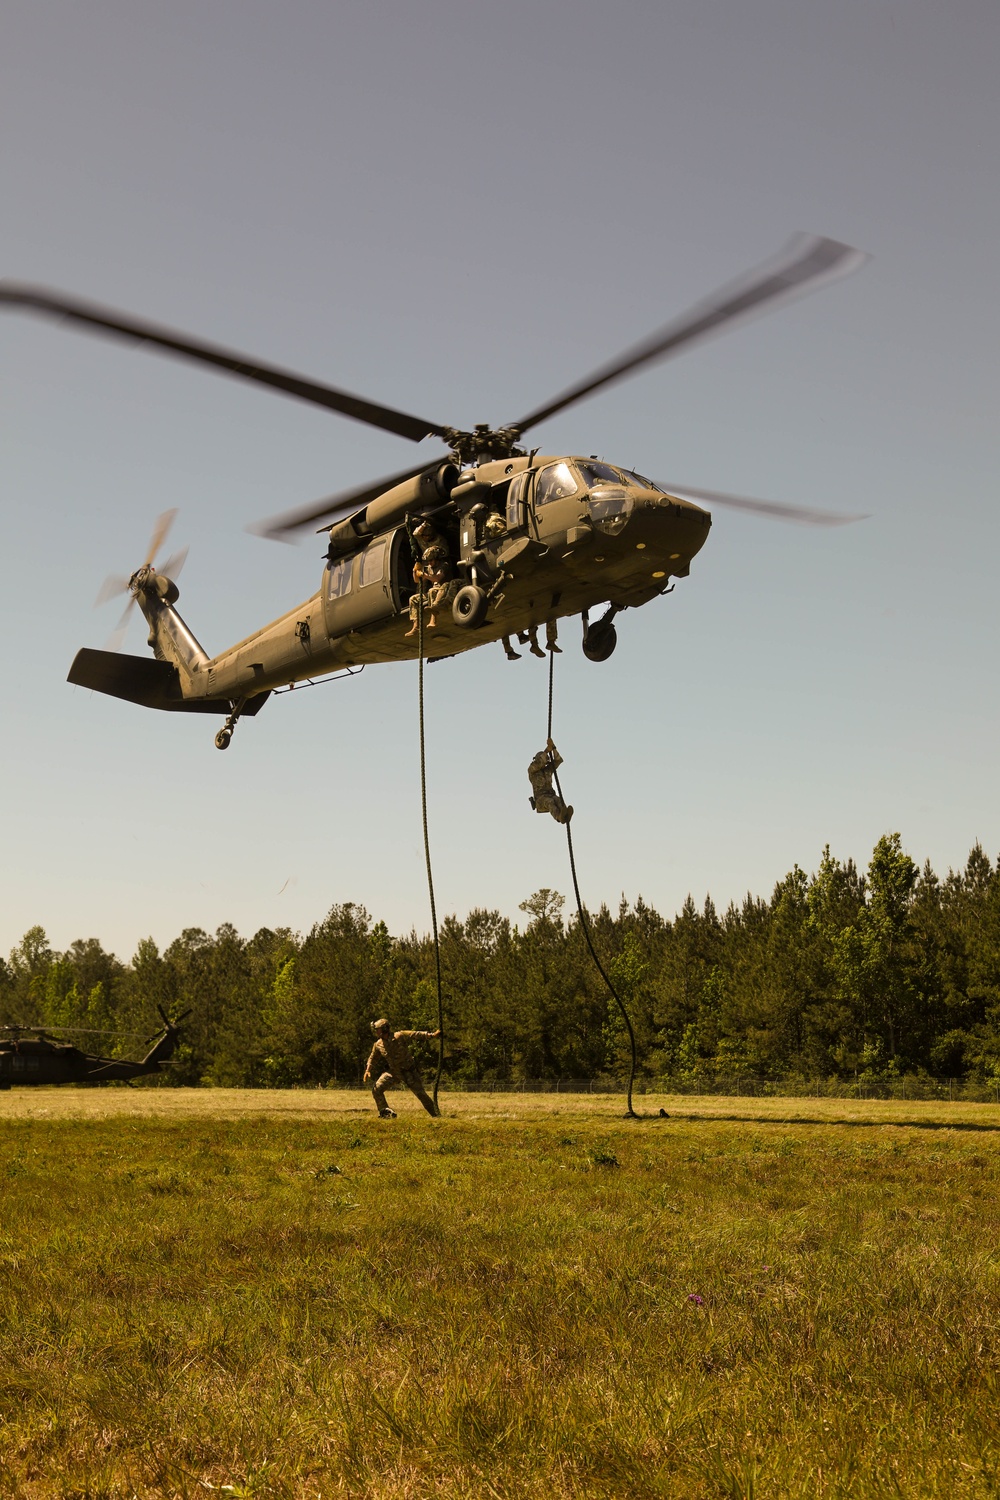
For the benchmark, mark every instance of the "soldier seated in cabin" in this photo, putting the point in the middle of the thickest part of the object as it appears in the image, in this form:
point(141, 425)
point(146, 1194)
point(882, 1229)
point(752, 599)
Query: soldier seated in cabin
point(432, 574)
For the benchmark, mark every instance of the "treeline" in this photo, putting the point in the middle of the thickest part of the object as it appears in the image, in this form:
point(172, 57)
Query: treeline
point(841, 975)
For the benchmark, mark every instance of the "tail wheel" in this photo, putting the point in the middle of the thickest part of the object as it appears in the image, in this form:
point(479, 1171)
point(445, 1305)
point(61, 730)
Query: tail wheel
point(222, 739)
point(470, 606)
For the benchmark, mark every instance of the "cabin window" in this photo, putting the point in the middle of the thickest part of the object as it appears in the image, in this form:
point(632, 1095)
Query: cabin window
point(555, 483)
point(516, 495)
point(340, 577)
point(372, 564)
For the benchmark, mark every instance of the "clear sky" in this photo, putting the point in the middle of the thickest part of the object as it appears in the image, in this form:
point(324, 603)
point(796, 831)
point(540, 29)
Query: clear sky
point(458, 209)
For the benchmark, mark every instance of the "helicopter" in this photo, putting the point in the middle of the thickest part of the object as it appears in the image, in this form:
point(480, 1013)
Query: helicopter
point(29, 1055)
point(487, 541)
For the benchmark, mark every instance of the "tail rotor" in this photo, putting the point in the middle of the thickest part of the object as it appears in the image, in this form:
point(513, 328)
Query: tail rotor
point(116, 584)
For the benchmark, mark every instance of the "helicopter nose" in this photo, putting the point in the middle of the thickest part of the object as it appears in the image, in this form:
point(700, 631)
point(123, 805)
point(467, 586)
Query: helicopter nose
point(684, 510)
point(679, 529)
point(693, 519)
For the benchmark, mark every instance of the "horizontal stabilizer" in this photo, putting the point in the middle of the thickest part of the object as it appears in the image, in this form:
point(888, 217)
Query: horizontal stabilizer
point(139, 679)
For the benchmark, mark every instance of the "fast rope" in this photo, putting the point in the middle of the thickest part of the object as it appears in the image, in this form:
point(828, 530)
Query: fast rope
point(584, 924)
point(427, 842)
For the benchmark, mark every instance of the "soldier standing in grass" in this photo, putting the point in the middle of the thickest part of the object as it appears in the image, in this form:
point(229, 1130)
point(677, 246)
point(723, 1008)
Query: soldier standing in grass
point(395, 1066)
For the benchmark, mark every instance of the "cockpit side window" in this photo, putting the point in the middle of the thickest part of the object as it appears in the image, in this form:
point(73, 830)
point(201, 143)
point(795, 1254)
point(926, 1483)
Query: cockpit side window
point(340, 577)
point(555, 483)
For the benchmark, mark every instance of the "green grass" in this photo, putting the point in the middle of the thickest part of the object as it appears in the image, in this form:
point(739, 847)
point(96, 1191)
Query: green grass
point(287, 1297)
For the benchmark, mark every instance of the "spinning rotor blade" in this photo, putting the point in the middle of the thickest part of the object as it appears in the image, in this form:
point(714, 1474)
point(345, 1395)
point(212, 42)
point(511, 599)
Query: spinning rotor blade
point(116, 639)
point(113, 585)
point(172, 567)
point(121, 325)
point(160, 533)
point(771, 508)
point(806, 263)
point(278, 528)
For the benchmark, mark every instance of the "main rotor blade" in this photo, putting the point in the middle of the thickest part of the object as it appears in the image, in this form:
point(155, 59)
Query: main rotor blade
point(806, 263)
point(122, 325)
point(773, 509)
point(76, 1030)
point(279, 528)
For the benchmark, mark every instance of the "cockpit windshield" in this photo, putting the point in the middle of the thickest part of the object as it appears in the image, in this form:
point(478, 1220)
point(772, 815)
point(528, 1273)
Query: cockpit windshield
point(597, 474)
point(643, 482)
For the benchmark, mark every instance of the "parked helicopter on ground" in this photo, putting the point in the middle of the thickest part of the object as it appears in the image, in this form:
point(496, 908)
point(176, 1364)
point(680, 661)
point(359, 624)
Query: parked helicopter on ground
point(30, 1055)
point(521, 539)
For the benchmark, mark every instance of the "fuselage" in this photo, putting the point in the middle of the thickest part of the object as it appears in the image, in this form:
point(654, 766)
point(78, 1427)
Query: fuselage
point(577, 533)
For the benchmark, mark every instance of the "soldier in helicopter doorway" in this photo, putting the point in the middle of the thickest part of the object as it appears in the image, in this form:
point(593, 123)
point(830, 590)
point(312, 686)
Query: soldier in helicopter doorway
point(432, 575)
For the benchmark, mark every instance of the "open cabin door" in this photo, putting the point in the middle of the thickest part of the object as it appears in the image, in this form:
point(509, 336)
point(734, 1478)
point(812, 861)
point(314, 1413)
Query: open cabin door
point(371, 585)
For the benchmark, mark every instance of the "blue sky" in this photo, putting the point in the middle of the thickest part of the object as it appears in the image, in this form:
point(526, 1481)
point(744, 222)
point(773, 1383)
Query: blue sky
point(458, 209)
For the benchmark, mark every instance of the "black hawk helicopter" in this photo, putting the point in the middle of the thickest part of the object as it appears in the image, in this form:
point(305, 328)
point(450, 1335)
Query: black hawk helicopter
point(500, 541)
point(29, 1055)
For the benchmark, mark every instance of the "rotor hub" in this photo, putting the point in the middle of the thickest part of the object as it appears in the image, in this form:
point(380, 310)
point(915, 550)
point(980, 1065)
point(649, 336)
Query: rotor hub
point(483, 443)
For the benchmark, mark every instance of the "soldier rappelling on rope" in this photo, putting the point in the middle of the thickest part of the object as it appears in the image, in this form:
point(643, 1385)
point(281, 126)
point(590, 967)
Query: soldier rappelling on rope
point(544, 797)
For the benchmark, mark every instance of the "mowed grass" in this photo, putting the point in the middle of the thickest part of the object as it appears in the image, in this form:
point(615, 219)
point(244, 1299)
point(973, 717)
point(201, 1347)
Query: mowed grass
point(280, 1295)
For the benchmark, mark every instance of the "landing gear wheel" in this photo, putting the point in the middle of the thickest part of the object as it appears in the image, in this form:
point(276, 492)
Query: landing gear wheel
point(470, 606)
point(600, 642)
point(225, 734)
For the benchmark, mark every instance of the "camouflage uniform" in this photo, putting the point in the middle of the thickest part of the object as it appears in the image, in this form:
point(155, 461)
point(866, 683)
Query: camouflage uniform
point(545, 798)
point(443, 590)
point(529, 637)
point(432, 576)
point(421, 581)
point(395, 1060)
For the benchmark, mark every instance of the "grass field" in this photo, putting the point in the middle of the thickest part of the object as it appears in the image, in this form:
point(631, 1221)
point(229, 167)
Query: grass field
point(277, 1294)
